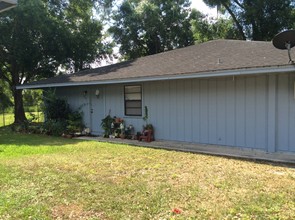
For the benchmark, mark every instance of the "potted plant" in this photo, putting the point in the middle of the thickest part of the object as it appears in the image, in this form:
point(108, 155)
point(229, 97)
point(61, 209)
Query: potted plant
point(147, 125)
point(106, 125)
point(122, 129)
point(148, 128)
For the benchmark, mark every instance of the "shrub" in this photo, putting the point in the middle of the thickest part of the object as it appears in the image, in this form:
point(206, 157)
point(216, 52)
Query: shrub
point(55, 108)
point(54, 127)
point(106, 125)
point(59, 118)
point(75, 122)
point(55, 113)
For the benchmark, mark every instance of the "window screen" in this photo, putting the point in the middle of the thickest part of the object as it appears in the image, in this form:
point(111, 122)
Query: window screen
point(132, 96)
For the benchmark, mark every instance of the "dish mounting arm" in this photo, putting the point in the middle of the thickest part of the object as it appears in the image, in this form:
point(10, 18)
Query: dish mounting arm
point(288, 46)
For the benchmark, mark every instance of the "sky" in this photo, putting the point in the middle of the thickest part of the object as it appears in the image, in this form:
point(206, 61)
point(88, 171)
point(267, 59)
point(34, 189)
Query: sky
point(200, 6)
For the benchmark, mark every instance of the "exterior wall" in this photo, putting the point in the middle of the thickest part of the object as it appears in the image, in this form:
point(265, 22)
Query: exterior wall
point(223, 111)
point(285, 113)
point(91, 106)
point(256, 112)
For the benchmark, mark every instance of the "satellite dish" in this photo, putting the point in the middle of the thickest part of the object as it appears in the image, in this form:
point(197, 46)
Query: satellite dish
point(285, 41)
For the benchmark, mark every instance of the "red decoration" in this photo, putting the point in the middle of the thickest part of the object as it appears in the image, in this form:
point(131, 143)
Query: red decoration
point(176, 211)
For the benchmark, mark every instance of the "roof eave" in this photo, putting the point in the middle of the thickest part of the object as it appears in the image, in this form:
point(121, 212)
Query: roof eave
point(10, 4)
point(237, 72)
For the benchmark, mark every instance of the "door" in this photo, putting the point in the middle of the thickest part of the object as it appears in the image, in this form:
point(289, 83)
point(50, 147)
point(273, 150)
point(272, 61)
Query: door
point(97, 110)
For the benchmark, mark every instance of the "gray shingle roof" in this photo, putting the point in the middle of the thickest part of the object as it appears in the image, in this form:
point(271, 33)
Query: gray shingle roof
point(209, 57)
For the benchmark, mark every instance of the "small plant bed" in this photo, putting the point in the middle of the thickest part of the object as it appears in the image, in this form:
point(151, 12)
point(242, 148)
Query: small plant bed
point(44, 177)
point(115, 127)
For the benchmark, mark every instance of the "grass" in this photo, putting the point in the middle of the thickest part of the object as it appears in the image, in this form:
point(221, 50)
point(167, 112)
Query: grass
point(9, 118)
point(44, 177)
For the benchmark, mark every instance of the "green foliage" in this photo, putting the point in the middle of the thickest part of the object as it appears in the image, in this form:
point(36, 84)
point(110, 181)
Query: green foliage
point(83, 35)
point(147, 125)
point(106, 125)
point(205, 29)
point(58, 109)
point(60, 118)
point(6, 119)
point(33, 117)
point(32, 98)
point(39, 36)
point(5, 97)
point(146, 114)
point(75, 122)
point(149, 27)
point(55, 108)
point(54, 127)
point(258, 19)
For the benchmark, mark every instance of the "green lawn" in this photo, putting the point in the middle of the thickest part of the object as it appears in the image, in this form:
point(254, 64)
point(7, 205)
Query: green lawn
point(9, 118)
point(45, 177)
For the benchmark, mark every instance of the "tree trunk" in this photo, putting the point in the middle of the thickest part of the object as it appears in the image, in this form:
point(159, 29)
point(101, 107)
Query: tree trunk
point(19, 112)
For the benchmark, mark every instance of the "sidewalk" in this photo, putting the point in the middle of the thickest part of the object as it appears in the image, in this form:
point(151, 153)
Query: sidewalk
point(235, 152)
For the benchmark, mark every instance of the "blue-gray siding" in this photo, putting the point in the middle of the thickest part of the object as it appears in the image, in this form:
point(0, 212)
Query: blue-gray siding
point(245, 111)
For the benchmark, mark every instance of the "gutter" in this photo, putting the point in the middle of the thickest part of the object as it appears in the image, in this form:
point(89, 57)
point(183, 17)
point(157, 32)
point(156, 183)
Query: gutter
point(241, 72)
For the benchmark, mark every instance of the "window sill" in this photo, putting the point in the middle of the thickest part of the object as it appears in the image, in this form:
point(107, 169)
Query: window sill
point(132, 117)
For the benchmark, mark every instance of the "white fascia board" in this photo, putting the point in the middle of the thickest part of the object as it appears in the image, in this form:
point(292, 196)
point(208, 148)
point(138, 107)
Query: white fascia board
point(240, 72)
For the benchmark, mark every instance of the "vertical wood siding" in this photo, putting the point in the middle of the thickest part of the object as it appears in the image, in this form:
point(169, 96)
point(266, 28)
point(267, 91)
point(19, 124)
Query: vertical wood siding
point(285, 113)
point(255, 112)
point(225, 111)
point(76, 100)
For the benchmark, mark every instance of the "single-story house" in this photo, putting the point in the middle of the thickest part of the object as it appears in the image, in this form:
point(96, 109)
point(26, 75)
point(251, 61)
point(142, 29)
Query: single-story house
point(7, 4)
point(222, 92)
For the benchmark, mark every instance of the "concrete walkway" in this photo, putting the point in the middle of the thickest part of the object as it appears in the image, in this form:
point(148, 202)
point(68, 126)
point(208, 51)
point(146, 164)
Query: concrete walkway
point(205, 149)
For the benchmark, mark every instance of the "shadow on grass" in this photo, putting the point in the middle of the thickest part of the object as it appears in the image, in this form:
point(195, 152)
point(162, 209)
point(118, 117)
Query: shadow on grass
point(8, 137)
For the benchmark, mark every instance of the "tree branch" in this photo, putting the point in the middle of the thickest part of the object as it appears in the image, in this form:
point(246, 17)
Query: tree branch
point(239, 4)
point(240, 27)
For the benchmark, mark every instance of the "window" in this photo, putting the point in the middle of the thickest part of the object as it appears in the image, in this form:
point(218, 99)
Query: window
point(132, 98)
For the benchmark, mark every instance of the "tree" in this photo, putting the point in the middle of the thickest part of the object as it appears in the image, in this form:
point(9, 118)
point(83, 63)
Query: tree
point(258, 19)
point(205, 29)
point(22, 51)
point(5, 99)
point(144, 27)
point(84, 41)
point(38, 36)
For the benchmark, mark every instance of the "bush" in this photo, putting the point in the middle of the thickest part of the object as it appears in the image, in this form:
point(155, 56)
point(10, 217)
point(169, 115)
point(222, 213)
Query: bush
point(35, 129)
point(56, 113)
point(59, 118)
point(106, 125)
point(54, 127)
point(23, 127)
point(75, 122)
point(55, 108)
